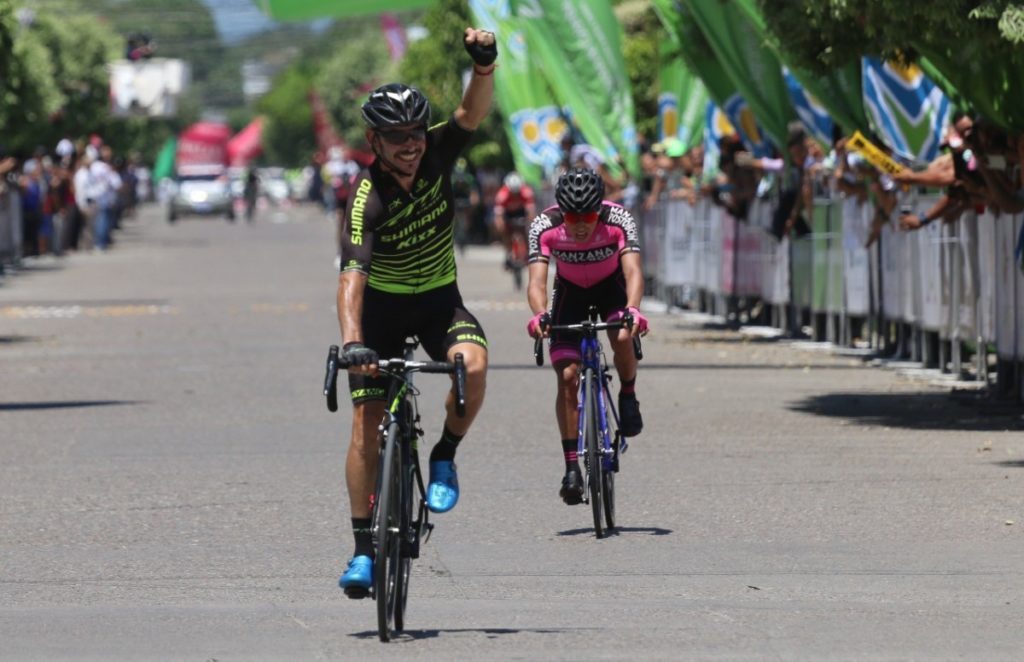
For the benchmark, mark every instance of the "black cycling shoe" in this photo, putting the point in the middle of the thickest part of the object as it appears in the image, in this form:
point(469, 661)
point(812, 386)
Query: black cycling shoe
point(631, 423)
point(572, 487)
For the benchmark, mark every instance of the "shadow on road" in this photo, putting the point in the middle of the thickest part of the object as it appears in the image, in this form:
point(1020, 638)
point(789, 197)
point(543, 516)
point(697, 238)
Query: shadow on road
point(491, 633)
point(11, 340)
point(619, 530)
point(644, 366)
point(62, 404)
point(916, 411)
point(1011, 464)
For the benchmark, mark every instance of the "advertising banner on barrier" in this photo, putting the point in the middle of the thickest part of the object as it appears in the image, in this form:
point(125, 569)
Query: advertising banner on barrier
point(1018, 288)
point(652, 235)
point(966, 251)
point(987, 275)
point(1006, 296)
point(931, 277)
point(677, 247)
point(820, 271)
point(891, 256)
point(856, 275)
point(802, 279)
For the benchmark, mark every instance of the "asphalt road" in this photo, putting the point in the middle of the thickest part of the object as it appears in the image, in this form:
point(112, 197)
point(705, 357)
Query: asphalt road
point(171, 484)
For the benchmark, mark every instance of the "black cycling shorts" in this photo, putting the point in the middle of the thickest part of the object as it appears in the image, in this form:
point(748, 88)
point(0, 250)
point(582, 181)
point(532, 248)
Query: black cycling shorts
point(571, 304)
point(437, 317)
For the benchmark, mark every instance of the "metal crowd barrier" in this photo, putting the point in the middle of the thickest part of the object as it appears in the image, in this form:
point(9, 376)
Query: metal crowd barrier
point(922, 295)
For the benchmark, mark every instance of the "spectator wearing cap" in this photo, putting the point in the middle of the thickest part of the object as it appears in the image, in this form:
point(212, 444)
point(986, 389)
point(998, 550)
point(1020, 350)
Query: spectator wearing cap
point(673, 174)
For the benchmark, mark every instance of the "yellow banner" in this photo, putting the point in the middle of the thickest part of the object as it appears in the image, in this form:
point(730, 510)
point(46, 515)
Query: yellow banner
point(872, 154)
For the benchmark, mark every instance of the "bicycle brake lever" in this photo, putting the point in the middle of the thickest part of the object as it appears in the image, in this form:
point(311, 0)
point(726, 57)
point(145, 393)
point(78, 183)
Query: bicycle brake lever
point(460, 386)
point(538, 350)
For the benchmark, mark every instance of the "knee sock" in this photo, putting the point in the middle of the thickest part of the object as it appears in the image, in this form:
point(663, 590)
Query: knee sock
point(444, 450)
point(361, 532)
point(628, 387)
point(569, 449)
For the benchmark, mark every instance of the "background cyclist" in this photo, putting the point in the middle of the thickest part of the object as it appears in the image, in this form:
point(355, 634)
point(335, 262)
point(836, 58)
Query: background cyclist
point(513, 206)
point(398, 279)
point(595, 247)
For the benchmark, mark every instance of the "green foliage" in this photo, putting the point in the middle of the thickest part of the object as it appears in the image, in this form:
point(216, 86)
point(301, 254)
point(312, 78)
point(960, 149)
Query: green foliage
point(643, 34)
point(824, 35)
point(80, 47)
point(436, 65)
point(359, 63)
point(288, 138)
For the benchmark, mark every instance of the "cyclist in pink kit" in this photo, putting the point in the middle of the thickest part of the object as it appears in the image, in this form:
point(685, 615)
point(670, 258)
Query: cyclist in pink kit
point(595, 246)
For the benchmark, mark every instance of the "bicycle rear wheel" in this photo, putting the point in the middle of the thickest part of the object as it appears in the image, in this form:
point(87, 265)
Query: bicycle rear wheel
point(387, 523)
point(592, 445)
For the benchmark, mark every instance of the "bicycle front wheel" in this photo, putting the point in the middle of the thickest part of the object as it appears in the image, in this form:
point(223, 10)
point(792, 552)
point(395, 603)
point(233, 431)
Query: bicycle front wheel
point(592, 447)
point(387, 521)
point(408, 536)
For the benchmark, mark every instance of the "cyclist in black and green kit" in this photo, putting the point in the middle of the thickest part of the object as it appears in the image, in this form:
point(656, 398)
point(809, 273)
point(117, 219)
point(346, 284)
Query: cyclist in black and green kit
point(398, 279)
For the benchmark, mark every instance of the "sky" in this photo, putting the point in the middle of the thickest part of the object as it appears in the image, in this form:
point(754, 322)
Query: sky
point(237, 19)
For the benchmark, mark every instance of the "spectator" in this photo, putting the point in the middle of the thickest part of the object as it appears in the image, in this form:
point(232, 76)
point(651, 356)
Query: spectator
point(796, 193)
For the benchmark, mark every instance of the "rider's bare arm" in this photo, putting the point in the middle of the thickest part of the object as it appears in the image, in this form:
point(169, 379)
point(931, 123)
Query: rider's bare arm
point(634, 274)
point(537, 289)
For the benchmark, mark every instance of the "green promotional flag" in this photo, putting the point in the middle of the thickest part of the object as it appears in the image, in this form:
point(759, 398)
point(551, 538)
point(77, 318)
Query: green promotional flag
point(304, 10)
point(839, 92)
point(163, 166)
point(682, 100)
point(577, 46)
point(687, 37)
point(534, 123)
point(751, 65)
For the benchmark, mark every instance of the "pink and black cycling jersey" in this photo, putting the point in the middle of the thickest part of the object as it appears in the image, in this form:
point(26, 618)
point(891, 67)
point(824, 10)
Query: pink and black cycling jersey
point(584, 264)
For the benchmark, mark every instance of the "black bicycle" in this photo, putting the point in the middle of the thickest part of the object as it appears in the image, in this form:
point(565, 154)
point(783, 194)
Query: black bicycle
point(397, 535)
point(600, 443)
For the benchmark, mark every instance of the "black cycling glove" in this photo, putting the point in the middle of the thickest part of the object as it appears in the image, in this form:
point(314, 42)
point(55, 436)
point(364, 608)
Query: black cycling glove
point(356, 353)
point(482, 55)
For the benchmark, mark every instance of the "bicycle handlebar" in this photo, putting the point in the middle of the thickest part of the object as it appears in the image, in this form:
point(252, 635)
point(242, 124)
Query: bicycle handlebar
point(398, 367)
point(588, 327)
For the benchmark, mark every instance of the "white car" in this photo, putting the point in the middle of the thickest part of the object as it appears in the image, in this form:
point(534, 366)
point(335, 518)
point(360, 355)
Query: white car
point(201, 195)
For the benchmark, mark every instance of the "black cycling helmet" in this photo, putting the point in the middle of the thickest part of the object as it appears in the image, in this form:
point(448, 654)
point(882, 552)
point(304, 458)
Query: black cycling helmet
point(579, 190)
point(395, 104)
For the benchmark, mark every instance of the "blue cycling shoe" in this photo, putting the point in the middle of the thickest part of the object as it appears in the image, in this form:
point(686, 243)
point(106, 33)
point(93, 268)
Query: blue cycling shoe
point(443, 491)
point(358, 577)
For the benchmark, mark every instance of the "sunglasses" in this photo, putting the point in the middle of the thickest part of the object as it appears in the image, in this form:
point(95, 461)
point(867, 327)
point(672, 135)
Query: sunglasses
point(588, 217)
point(402, 136)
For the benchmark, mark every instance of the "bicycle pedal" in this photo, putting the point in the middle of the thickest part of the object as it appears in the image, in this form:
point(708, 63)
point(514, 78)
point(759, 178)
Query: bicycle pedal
point(357, 592)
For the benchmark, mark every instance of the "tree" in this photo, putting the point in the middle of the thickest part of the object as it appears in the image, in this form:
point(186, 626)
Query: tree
point(643, 34)
point(824, 35)
point(436, 65)
point(80, 46)
point(288, 138)
point(359, 63)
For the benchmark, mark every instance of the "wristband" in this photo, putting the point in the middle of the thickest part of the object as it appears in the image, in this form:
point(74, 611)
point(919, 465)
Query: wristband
point(481, 73)
point(924, 220)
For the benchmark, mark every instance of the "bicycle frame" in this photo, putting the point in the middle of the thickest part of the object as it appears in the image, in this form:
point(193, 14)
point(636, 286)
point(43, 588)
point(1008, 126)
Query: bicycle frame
point(396, 534)
point(593, 366)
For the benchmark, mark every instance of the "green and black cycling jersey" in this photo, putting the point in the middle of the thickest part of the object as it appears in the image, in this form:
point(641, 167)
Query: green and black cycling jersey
point(403, 241)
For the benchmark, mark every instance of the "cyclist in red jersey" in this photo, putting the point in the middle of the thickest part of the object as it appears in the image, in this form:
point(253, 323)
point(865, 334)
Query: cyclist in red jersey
point(597, 251)
point(513, 205)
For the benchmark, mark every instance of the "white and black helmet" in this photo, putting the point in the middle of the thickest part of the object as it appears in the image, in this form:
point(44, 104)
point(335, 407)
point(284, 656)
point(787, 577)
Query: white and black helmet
point(579, 190)
point(394, 105)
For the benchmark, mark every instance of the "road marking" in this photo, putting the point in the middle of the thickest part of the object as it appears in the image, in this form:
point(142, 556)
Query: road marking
point(71, 312)
point(484, 304)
